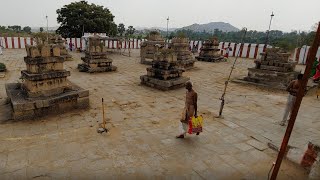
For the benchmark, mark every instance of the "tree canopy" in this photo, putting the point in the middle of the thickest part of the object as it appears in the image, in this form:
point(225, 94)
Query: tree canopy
point(121, 29)
point(27, 29)
point(130, 31)
point(78, 17)
point(15, 28)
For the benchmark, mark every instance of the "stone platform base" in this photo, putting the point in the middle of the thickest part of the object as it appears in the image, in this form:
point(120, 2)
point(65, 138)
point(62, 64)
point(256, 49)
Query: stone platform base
point(272, 79)
point(164, 84)
point(145, 61)
point(186, 64)
point(211, 59)
point(86, 68)
point(310, 84)
point(30, 108)
point(262, 85)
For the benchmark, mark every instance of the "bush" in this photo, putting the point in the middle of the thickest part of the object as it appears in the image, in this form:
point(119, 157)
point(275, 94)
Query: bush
point(2, 67)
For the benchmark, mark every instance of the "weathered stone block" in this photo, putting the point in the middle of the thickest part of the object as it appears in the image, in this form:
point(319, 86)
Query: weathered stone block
point(63, 52)
point(45, 51)
point(46, 87)
point(43, 60)
point(83, 102)
point(83, 93)
point(44, 76)
point(39, 104)
point(92, 49)
point(164, 84)
point(56, 51)
point(98, 49)
point(34, 52)
point(29, 108)
point(44, 68)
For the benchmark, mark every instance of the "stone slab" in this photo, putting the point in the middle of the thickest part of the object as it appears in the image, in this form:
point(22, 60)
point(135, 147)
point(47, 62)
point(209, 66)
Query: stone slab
point(96, 61)
point(48, 87)
point(146, 61)
point(43, 60)
point(211, 58)
point(164, 84)
point(243, 81)
point(44, 68)
point(87, 68)
point(44, 76)
point(258, 145)
point(30, 108)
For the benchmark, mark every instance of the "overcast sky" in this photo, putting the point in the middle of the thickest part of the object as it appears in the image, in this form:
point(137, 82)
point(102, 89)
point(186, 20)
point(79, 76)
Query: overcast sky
point(253, 14)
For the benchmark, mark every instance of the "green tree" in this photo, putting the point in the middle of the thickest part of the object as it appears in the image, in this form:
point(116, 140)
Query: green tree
point(78, 16)
point(15, 28)
point(41, 29)
point(3, 28)
point(130, 31)
point(27, 29)
point(121, 29)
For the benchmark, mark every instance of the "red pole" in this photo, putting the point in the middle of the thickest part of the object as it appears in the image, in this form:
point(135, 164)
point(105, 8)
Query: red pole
point(310, 60)
point(256, 51)
point(19, 43)
point(248, 51)
point(234, 50)
point(222, 48)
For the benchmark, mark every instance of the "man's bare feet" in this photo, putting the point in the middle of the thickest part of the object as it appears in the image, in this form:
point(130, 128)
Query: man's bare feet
point(180, 136)
point(197, 133)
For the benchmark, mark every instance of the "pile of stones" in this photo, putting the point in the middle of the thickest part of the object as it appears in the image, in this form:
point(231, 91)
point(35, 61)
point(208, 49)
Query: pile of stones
point(148, 48)
point(210, 51)
point(273, 69)
point(57, 40)
point(164, 74)
point(45, 88)
point(96, 58)
point(180, 45)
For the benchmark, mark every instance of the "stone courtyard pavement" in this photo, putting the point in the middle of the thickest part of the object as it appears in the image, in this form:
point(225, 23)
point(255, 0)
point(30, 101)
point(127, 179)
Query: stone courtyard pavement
point(141, 143)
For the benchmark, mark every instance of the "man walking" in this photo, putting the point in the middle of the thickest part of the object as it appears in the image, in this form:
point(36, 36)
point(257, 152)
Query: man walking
point(190, 109)
point(293, 90)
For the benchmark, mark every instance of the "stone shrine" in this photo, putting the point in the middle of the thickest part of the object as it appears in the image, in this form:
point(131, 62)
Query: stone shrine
point(180, 46)
point(148, 49)
point(96, 59)
point(61, 43)
point(273, 70)
point(164, 73)
point(45, 88)
point(210, 51)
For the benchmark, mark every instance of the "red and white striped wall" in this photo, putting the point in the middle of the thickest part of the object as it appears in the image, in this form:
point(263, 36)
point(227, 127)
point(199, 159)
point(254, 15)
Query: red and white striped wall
point(15, 42)
point(245, 50)
point(301, 53)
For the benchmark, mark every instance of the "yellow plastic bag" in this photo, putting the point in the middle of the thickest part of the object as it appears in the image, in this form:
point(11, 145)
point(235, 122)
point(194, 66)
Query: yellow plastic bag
point(195, 125)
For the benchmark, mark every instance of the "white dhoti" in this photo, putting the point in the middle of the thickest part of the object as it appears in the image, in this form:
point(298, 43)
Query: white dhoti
point(185, 116)
point(184, 128)
point(290, 102)
point(0, 50)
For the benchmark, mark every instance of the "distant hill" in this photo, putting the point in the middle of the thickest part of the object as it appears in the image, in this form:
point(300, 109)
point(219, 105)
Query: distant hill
point(225, 27)
point(154, 28)
point(209, 27)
